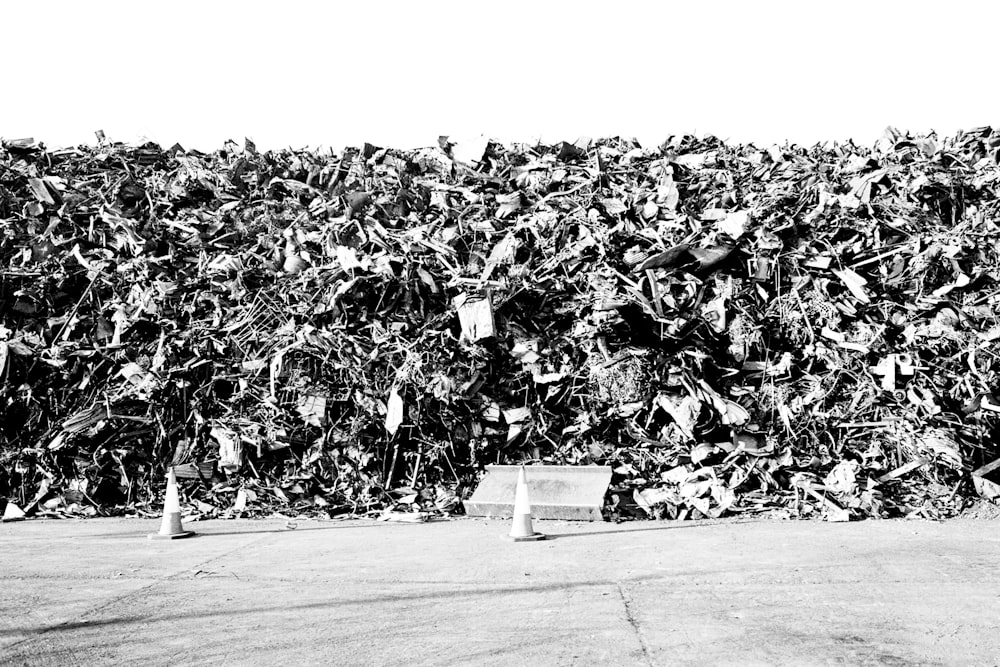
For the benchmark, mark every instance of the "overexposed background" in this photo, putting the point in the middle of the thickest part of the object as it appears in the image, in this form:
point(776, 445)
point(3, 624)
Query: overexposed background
point(299, 73)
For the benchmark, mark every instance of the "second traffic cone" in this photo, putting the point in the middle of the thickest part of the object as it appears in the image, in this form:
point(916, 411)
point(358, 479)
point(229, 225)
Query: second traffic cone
point(170, 527)
point(521, 530)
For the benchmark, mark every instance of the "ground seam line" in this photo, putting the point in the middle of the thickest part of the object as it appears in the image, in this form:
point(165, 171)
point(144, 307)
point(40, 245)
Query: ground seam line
point(630, 617)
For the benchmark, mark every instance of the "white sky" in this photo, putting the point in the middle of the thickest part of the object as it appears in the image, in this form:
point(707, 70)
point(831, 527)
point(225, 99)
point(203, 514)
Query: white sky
point(297, 73)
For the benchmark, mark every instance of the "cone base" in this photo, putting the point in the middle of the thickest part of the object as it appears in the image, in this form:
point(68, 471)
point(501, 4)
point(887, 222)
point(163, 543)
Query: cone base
point(534, 537)
point(174, 536)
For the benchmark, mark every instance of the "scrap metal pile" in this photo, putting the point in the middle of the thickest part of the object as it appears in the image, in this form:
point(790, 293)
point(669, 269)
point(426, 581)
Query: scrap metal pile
point(804, 331)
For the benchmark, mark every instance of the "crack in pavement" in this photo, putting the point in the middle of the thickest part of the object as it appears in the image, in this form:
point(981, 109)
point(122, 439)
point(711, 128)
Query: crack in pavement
point(630, 617)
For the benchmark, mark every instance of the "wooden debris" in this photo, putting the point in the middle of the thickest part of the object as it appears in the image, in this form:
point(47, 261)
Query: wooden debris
point(904, 469)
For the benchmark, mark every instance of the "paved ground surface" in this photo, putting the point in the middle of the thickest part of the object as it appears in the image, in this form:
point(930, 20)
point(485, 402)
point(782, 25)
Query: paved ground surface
point(452, 592)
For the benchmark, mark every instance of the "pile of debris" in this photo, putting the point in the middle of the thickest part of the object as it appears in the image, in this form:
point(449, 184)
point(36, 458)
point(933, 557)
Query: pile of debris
point(808, 331)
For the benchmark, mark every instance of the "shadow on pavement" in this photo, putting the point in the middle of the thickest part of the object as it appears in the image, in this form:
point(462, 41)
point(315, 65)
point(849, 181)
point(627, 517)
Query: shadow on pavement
point(302, 529)
point(676, 525)
point(206, 531)
point(229, 613)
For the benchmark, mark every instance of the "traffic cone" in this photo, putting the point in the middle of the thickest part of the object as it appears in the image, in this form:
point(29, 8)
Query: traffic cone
point(170, 527)
point(521, 530)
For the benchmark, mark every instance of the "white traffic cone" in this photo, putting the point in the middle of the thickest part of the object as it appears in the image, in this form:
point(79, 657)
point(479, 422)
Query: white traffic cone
point(521, 530)
point(170, 527)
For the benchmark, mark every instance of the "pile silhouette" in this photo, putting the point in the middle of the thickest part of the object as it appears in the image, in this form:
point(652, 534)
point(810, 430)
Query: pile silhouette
point(734, 329)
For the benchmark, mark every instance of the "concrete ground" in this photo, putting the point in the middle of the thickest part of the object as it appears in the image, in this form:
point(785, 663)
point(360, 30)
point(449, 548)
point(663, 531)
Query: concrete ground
point(98, 592)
